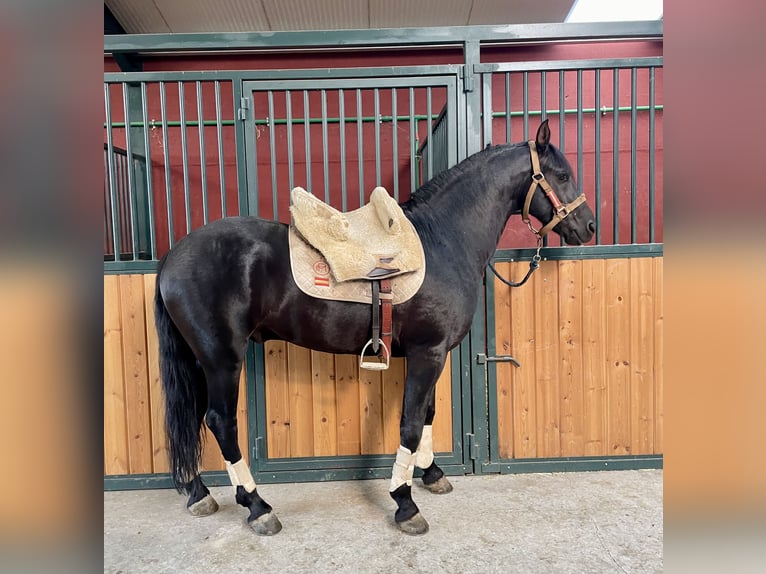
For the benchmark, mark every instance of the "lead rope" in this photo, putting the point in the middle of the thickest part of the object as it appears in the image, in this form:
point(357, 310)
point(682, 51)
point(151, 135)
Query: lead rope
point(533, 265)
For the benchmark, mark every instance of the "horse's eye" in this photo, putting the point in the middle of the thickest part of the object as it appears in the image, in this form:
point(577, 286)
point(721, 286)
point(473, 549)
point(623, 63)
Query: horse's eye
point(563, 177)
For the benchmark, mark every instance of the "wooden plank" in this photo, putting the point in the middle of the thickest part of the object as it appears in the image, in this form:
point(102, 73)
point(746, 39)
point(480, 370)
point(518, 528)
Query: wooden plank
point(277, 400)
point(659, 410)
point(115, 425)
point(642, 355)
point(570, 354)
point(323, 390)
point(393, 395)
point(524, 378)
point(546, 359)
point(301, 401)
point(443, 418)
point(594, 357)
point(618, 355)
point(347, 397)
point(503, 346)
point(156, 400)
point(371, 412)
point(136, 374)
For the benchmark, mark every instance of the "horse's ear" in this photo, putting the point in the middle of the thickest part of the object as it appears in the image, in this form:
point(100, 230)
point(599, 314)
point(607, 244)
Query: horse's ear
point(543, 137)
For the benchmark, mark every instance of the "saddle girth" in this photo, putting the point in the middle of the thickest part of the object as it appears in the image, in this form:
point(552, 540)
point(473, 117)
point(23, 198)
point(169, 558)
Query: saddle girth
point(382, 300)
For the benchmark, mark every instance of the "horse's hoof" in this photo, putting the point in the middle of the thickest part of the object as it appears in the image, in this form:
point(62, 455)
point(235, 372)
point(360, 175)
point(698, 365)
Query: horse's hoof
point(266, 524)
point(441, 486)
point(204, 507)
point(414, 526)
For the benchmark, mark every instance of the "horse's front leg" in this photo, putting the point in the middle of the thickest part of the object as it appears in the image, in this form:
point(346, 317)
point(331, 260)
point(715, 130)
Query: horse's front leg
point(423, 368)
point(433, 476)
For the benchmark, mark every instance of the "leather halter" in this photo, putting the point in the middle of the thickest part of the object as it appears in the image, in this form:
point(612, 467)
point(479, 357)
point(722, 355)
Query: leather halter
point(562, 210)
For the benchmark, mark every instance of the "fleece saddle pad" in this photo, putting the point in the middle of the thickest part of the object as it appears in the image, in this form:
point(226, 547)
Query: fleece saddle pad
point(376, 240)
point(311, 273)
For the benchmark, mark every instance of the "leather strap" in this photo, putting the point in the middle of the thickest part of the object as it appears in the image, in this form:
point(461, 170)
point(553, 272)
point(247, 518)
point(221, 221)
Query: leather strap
point(376, 316)
point(386, 304)
point(562, 210)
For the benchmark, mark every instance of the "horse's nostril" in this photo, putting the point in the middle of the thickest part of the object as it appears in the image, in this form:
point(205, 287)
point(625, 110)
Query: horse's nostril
point(592, 226)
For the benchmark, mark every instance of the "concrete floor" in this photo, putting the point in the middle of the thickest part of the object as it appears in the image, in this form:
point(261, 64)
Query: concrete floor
point(606, 521)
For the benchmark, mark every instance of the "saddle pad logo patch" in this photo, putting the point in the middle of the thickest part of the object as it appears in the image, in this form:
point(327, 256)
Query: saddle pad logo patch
point(321, 273)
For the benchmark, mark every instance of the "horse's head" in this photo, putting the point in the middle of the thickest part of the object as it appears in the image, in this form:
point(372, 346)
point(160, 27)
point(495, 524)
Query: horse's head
point(552, 197)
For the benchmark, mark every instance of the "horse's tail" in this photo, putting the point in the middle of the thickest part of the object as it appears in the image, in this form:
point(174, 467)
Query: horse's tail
point(183, 384)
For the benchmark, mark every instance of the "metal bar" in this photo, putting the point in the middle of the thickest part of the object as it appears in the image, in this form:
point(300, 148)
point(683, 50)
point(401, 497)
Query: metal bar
point(360, 145)
point(597, 167)
point(562, 118)
point(633, 140)
point(244, 135)
point(507, 107)
point(430, 165)
point(219, 132)
point(273, 159)
point(486, 110)
point(413, 145)
point(325, 148)
point(580, 174)
point(582, 252)
point(342, 116)
point(616, 159)
point(557, 65)
point(166, 157)
point(112, 178)
point(376, 99)
point(148, 166)
point(525, 106)
point(543, 96)
point(202, 158)
point(394, 144)
point(513, 33)
point(307, 132)
point(184, 156)
point(652, 237)
point(290, 158)
point(132, 208)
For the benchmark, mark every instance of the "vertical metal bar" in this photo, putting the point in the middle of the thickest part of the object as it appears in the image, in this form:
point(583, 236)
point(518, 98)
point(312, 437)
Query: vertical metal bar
point(185, 155)
point(486, 105)
point(580, 174)
point(219, 131)
point(562, 110)
point(307, 132)
point(413, 145)
point(112, 175)
point(132, 209)
point(430, 168)
point(543, 96)
point(273, 157)
point(166, 157)
point(394, 143)
point(376, 97)
point(245, 140)
point(148, 166)
point(652, 237)
point(290, 158)
point(202, 157)
point(342, 120)
point(633, 142)
point(507, 107)
point(325, 148)
point(360, 145)
point(597, 170)
point(616, 156)
point(526, 105)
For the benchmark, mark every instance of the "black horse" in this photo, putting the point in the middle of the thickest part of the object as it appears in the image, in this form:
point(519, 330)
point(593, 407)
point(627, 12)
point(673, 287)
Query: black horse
point(230, 281)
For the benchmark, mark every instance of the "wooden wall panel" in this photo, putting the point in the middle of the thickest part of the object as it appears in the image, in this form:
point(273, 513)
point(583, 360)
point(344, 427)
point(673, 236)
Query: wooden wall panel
point(588, 335)
point(134, 421)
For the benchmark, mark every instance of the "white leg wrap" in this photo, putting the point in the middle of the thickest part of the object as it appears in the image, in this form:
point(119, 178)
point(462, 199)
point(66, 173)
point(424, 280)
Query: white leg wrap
point(239, 473)
point(404, 467)
point(425, 453)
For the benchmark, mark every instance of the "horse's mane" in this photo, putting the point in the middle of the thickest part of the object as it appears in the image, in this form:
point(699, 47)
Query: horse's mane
point(423, 211)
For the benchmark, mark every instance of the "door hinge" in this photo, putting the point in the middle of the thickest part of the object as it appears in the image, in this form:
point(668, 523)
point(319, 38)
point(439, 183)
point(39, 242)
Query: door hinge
point(473, 448)
point(466, 72)
point(244, 105)
point(481, 359)
point(256, 450)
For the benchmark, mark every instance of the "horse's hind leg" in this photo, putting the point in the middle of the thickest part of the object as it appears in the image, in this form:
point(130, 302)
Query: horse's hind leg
point(433, 476)
point(221, 418)
point(201, 502)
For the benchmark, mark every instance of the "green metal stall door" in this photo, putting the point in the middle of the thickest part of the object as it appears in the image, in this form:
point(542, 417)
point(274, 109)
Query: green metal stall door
point(339, 138)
